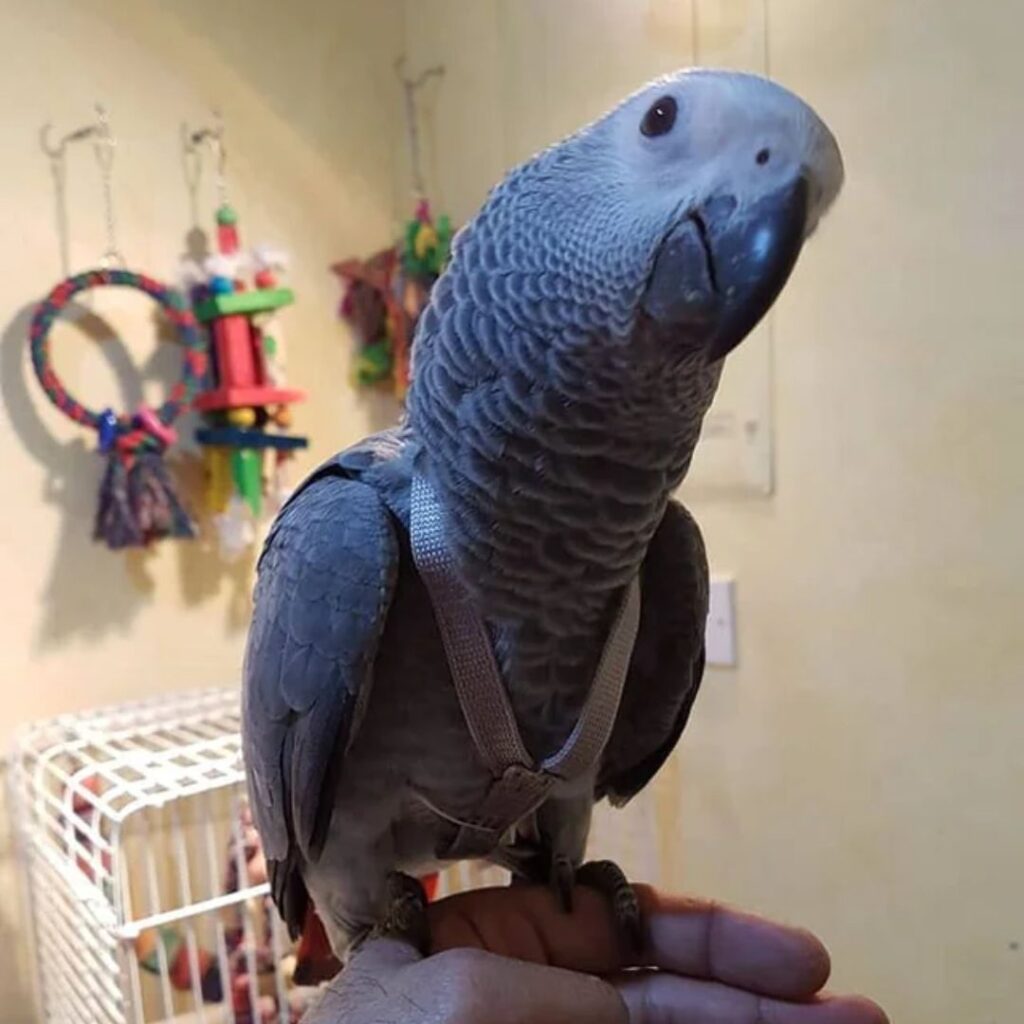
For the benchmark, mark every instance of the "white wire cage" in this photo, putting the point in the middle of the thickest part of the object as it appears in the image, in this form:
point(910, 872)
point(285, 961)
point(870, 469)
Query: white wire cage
point(146, 885)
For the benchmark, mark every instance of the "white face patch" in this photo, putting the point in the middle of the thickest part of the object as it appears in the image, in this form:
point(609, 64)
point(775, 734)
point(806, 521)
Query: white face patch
point(731, 133)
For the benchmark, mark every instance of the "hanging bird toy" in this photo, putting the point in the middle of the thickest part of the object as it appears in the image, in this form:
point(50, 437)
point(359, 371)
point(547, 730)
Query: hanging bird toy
point(138, 503)
point(385, 295)
point(236, 295)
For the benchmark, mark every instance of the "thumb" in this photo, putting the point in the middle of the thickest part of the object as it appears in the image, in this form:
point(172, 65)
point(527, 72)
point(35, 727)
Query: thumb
point(506, 991)
point(382, 956)
point(364, 984)
point(388, 980)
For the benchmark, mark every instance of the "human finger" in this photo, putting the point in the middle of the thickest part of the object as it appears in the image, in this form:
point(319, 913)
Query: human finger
point(658, 997)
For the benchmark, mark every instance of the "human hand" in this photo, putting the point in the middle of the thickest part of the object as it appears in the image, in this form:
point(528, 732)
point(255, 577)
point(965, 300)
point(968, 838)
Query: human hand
point(510, 956)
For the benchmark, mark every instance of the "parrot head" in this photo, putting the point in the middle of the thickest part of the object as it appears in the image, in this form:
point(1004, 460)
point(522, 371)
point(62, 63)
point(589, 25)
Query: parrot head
point(731, 173)
point(685, 207)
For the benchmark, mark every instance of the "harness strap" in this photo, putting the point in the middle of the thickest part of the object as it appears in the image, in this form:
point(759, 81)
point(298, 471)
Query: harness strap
point(519, 786)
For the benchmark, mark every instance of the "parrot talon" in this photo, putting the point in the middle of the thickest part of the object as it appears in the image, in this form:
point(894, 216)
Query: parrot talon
point(406, 916)
point(562, 879)
point(607, 878)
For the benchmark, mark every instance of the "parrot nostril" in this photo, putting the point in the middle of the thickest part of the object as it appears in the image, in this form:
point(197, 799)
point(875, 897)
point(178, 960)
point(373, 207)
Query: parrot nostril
point(763, 156)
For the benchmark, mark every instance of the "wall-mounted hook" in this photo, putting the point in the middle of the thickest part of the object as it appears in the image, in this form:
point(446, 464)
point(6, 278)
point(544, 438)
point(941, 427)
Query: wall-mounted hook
point(99, 129)
point(421, 78)
point(104, 145)
point(214, 135)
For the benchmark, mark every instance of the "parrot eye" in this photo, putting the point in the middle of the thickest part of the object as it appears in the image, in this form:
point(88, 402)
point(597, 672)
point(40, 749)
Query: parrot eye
point(660, 118)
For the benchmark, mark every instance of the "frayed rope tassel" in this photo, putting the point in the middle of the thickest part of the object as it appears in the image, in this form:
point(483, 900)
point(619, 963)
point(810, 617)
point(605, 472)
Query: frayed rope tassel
point(154, 500)
point(116, 524)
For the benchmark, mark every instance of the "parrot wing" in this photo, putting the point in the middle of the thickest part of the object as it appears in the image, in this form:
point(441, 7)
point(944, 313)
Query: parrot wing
point(325, 582)
point(668, 659)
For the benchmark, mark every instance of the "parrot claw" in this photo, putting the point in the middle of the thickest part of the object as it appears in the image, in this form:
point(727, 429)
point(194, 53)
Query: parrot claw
point(406, 916)
point(609, 880)
point(562, 879)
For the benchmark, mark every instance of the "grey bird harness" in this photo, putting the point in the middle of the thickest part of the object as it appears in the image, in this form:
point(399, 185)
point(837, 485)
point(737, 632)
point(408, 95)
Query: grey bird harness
point(518, 786)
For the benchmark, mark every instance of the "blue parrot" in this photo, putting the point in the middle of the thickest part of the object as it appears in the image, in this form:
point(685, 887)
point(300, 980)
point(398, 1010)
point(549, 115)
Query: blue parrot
point(469, 629)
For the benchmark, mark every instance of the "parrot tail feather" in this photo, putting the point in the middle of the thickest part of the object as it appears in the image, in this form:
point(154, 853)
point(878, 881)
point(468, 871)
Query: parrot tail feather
point(315, 962)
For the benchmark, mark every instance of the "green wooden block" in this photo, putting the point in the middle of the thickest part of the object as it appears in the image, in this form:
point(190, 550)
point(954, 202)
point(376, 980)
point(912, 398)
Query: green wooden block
point(247, 470)
point(260, 300)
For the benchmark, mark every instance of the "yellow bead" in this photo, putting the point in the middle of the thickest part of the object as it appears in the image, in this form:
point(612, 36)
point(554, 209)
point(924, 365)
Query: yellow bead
point(242, 417)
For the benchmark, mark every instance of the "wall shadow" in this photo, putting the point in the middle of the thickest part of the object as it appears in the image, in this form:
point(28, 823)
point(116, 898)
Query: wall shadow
point(202, 572)
point(90, 591)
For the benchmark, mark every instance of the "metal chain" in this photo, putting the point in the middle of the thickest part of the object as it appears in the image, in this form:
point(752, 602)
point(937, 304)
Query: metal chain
point(104, 147)
point(215, 137)
point(222, 160)
point(410, 86)
point(414, 140)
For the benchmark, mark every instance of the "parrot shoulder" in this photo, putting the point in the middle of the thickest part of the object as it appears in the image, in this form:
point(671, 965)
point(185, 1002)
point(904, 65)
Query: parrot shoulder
point(325, 580)
point(667, 666)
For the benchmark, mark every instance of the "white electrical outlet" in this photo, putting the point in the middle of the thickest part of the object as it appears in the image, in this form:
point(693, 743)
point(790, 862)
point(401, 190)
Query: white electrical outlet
point(720, 634)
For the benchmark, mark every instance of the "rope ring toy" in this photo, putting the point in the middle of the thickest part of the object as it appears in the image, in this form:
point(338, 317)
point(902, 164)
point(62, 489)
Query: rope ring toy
point(145, 427)
point(138, 503)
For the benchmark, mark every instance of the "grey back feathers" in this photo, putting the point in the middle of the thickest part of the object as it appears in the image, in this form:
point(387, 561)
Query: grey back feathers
point(325, 582)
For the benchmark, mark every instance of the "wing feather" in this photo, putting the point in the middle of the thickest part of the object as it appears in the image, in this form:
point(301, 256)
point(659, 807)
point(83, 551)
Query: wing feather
point(668, 660)
point(325, 581)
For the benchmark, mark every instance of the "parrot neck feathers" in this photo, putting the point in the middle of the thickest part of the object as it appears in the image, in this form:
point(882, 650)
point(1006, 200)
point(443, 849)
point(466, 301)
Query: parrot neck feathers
point(555, 421)
point(553, 480)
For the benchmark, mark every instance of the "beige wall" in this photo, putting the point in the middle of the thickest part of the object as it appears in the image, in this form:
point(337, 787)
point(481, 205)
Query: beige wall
point(863, 770)
point(311, 153)
point(309, 169)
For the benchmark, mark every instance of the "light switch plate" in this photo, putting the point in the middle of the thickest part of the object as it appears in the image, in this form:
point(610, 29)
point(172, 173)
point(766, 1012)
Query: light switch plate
point(720, 634)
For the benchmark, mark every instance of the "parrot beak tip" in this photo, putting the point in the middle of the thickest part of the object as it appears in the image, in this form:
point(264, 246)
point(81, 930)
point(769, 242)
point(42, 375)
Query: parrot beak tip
point(717, 274)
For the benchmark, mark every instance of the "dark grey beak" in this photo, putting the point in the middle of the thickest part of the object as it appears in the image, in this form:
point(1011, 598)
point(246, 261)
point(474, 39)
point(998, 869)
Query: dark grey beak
point(720, 270)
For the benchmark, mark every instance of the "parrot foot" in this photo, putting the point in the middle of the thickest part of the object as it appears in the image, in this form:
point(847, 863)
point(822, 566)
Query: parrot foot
point(562, 878)
point(530, 867)
point(405, 918)
point(608, 879)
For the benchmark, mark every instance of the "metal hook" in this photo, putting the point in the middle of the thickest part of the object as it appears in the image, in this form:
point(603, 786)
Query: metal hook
point(421, 78)
point(216, 132)
point(100, 128)
point(215, 137)
point(104, 145)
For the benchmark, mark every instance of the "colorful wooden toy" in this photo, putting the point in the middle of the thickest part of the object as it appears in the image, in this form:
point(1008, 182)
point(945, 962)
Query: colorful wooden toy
point(246, 403)
point(385, 295)
point(138, 502)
